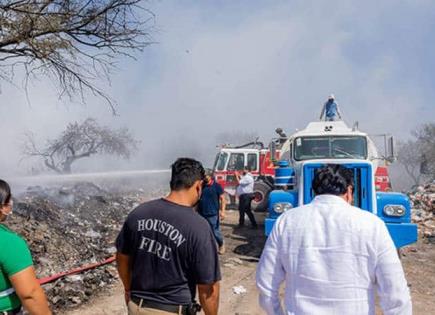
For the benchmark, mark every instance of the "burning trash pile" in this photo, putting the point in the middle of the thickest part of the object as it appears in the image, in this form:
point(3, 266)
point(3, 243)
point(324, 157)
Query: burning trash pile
point(67, 228)
point(423, 212)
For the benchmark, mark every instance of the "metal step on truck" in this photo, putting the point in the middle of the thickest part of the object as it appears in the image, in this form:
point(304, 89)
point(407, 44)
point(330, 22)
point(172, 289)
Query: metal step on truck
point(325, 142)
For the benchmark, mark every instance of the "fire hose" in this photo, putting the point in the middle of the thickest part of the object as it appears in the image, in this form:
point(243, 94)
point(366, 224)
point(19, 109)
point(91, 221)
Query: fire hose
point(54, 277)
point(80, 269)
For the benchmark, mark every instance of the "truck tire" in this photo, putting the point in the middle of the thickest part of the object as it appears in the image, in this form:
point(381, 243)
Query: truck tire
point(261, 194)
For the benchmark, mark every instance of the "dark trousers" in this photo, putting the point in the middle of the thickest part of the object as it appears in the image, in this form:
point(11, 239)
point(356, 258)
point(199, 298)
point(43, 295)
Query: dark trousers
point(245, 207)
point(215, 227)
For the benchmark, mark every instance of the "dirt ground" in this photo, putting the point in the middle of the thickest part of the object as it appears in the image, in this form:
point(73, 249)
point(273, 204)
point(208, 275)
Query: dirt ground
point(244, 248)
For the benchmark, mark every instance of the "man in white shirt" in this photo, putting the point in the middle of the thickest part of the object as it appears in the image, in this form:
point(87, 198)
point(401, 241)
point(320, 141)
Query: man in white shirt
point(332, 256)
point(245, 192)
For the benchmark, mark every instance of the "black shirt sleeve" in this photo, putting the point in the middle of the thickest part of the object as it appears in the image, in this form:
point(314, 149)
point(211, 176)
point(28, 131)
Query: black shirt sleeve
point(206, 260)
point(124, 241)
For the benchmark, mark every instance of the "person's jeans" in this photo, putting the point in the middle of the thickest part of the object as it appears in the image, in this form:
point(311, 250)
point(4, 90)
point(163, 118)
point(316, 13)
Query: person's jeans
point(215, 226)
point(245, 207)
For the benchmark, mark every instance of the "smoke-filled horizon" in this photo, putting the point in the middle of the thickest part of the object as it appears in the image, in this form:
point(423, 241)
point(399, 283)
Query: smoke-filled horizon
point(225, 68)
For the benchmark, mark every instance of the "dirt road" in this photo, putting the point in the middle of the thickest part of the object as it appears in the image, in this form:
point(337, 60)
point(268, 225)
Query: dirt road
point(238, 267)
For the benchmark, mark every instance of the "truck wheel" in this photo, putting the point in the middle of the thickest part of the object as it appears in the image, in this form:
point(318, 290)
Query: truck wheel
point(261, 194)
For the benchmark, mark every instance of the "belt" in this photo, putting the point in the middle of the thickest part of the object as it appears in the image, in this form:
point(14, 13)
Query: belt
point(160, 306)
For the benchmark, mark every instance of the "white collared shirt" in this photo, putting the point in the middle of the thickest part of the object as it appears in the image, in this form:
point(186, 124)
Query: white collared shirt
point(246, 185)
point(332, 257)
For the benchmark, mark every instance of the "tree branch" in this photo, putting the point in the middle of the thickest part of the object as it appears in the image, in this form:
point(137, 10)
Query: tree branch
point(68, 39)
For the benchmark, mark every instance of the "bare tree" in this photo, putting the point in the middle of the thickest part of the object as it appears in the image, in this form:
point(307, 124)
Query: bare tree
point(73, 42)
point(409, 157)
point(79, 141)
point(425, 136)
point(417, 156)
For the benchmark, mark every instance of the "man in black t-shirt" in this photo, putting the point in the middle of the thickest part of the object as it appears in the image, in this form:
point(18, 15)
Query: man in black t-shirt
point(165, 251)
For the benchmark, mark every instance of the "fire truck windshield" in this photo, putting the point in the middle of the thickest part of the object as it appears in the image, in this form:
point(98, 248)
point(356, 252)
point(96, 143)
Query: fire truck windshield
point(221, 161)
point(236, 162)
point(331, 147)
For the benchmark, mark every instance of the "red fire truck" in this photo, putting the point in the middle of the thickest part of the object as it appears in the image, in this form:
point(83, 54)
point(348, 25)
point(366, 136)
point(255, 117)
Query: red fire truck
point(254, 156)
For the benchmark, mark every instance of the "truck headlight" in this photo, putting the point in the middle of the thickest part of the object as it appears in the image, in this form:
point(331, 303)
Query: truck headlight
point(281, 207)
point(394, 210)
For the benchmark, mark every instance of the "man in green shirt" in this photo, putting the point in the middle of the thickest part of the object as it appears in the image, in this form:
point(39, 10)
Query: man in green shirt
point(14, 257)
point(18, 282)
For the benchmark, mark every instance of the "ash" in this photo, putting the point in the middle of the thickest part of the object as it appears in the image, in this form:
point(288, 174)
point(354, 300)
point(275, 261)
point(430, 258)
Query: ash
point(70, 226)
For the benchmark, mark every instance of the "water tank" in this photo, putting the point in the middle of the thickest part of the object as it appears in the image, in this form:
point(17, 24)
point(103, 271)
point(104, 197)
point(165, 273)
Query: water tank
point(284, 175)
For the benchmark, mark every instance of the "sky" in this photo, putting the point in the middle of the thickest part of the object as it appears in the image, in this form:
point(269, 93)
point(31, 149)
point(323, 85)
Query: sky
point(248, 67)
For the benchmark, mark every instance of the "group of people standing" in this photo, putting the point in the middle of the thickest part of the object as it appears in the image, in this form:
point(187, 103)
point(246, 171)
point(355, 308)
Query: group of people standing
point(167, 252)
point(331, 255)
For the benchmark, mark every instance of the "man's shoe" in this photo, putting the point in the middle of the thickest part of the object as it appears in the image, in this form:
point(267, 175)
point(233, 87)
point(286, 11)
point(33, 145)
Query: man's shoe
point(221, 249)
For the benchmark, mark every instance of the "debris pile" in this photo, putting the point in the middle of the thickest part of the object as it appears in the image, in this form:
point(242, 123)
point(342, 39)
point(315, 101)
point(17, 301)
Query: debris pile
point(423, 212)
point(239, 290)
point(69, 227)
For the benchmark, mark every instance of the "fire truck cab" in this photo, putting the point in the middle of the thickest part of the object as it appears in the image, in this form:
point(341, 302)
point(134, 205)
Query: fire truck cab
point(232, 159)
point(325, 142)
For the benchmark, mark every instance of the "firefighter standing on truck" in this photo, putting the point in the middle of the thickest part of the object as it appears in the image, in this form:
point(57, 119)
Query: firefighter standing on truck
point(165, 251)
point(330, 109)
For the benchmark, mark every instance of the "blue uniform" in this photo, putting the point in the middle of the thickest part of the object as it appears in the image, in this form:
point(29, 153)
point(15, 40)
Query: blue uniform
point(208, 207)
point(330, 110)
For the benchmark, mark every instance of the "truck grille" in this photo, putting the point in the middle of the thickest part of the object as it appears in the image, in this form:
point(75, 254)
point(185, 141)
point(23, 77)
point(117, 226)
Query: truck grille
point(363, 179)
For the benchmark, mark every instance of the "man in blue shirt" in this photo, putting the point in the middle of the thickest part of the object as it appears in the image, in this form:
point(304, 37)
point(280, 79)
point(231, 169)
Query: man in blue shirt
point(211, 206)
point(330, 109)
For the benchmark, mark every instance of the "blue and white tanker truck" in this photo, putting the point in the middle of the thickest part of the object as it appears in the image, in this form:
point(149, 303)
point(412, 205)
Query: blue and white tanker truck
point(325, 142)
